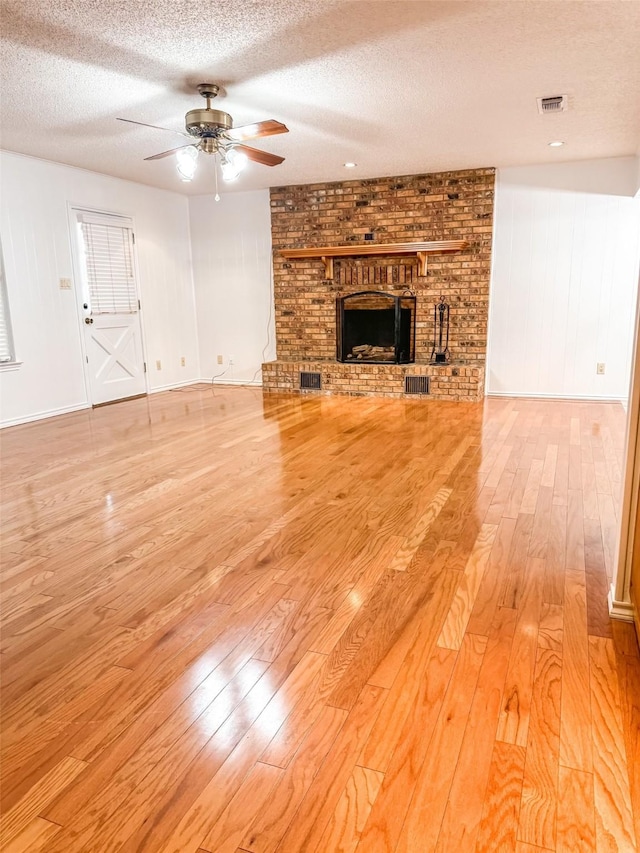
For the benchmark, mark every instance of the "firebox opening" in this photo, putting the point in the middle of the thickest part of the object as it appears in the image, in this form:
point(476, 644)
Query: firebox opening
point(376, 327)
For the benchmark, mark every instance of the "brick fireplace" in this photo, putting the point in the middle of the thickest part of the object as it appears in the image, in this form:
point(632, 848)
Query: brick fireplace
point(446, 206)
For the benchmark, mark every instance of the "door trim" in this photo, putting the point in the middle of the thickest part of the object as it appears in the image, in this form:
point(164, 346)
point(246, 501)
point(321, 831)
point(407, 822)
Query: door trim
point(620, 603)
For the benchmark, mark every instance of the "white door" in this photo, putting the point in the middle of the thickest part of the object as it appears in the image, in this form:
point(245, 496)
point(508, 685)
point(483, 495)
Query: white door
point(110, 312)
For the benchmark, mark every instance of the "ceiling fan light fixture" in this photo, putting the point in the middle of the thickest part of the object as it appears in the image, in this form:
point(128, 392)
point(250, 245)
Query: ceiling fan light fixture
point(187, 162)
point(212, 132)
point(232, 163)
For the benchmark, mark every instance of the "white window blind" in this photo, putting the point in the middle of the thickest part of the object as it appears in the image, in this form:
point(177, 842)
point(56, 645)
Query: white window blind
point(108, 245)
point(6, 340)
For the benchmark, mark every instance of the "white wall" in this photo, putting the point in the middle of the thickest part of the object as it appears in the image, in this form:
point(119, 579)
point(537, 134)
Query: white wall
point(564, 279)
point(231, 246)
point(37, 251)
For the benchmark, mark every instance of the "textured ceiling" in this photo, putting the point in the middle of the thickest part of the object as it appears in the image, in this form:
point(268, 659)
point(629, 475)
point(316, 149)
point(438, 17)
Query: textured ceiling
point(397, 87)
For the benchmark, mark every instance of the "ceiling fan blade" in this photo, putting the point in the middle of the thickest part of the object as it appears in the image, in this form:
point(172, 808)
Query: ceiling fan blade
point(167, 153)
point(259, 156)
point(255, 131)
point(154, 126)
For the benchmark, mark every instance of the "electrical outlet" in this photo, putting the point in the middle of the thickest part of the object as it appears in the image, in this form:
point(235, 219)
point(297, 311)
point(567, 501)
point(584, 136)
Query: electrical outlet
point(600, 368)
point(158, 365)
point(230, 361)
point(183, 362)
point(65, 284)
point(220, 360)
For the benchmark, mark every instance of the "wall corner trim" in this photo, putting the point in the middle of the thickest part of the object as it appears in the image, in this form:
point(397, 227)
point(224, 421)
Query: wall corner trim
point(621, 610)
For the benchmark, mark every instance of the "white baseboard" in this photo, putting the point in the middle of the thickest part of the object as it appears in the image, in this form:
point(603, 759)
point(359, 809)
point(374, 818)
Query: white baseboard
point(159, 388)
point(41, 416)
point(578, 397)
point(622, 610)
point(222, 381)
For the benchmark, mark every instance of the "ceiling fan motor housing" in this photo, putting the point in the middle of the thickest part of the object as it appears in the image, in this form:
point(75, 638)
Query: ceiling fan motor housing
point(207, 122)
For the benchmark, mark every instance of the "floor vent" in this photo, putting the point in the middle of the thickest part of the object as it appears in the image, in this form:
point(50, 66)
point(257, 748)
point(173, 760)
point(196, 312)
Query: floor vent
point(311, 381)
point(416, 384)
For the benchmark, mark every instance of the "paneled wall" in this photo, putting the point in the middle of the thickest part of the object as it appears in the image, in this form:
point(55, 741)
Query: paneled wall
point(564, 280)
point(231, 243)
point(37, 250)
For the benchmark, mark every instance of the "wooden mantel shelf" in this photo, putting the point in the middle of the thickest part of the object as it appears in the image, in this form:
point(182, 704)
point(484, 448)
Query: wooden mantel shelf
point(421, 250)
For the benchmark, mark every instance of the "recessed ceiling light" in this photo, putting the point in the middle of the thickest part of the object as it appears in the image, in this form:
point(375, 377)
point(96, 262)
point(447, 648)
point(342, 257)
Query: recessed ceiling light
point(350, 165)
point(555, 144)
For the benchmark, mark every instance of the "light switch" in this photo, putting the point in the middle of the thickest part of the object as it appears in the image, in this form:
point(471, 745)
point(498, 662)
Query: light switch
point(65, 284)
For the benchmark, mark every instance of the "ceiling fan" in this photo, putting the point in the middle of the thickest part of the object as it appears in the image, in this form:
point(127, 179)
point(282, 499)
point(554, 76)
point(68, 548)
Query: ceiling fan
point(212, 132)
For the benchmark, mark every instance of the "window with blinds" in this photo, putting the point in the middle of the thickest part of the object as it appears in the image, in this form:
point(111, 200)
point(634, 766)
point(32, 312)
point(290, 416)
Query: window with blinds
point(108, 251)
point(6, 339)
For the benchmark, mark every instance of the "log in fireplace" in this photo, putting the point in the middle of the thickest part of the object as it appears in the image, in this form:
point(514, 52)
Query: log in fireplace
point(376, 327)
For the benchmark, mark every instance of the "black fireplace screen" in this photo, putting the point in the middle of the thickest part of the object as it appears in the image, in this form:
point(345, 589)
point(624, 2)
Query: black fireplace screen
point(376, 327)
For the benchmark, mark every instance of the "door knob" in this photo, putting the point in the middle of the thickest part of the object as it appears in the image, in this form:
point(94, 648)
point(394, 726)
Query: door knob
point(88, 320)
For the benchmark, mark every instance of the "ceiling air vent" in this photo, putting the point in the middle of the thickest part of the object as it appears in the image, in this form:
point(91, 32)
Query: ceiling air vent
point(555, 104)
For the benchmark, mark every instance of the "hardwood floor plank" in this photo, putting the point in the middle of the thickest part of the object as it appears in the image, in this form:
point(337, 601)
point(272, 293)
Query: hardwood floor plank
point(556, 556)
point(459, 613)
point(411, 544)
point(561, 482)
point(549, 467)
point(515, 576)
point(608, 523)
point(397, 718)
point(589, 492)
point(423, 820)
point(501, 808)
point(314, 813)
point(38, 798)
point(614, 819)
point(576, 815)
point(28, 760)
point(493, 580)
point(532, 488)
point(352, 810)
point(404, 761)
point(513, 722)
point(576, 744)
point(495, 513)
point(33, 838)
point(575, 531)
point(514, 502)
point(251, 797)
point(463, 813)
point(628, 668)
point(538, 811)
point(391, 610)
point(412, 689)
point(268, 827)
point(598, 619)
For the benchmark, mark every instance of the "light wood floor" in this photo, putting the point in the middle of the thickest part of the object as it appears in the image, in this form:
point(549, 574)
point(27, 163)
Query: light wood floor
point(236, 623)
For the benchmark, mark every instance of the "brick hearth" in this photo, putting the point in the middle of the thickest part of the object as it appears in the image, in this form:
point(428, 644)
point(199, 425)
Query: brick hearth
point(442, 206)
